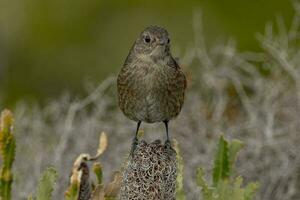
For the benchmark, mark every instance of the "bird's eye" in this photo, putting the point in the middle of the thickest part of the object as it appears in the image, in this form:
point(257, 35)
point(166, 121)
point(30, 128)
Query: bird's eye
point(147, 39)
point(168, 41)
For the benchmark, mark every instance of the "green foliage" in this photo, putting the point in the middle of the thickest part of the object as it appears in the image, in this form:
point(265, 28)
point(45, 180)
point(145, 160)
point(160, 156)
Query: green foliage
point(201, 182)
point(46, 184)
point(233, 148)
point(224, 185)
point(180, 194)
point(98, 171)
point(7, 148)
point(221, 167)
point(72, 192)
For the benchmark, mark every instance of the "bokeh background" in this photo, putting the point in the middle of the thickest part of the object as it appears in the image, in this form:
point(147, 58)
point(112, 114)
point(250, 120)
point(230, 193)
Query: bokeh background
point(51, 46)
point(59, 60)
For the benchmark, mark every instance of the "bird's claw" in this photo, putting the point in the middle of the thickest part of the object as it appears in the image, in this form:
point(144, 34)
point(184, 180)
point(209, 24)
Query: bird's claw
point(133, 146)
point(168, 144)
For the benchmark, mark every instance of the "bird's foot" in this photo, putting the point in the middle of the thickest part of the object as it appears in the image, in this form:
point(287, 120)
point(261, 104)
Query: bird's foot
point(168, 144)
point(133, 146)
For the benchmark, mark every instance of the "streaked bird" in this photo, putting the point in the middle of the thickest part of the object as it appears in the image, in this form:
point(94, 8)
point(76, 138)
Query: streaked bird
point(151, 84)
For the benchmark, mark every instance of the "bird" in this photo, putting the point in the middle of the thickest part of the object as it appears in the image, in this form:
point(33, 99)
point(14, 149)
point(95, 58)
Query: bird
point(151, 85)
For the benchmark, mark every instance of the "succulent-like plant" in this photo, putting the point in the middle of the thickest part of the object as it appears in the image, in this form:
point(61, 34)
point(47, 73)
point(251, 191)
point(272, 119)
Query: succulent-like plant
point(180, 193)
point(7, 149)
point(46, 185)
point(225, 185)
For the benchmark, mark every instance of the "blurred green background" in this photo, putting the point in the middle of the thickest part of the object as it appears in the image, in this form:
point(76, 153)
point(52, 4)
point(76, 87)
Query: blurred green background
point(51, 46)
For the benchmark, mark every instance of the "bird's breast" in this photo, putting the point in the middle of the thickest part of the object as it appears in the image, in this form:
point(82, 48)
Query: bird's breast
point(154, 95)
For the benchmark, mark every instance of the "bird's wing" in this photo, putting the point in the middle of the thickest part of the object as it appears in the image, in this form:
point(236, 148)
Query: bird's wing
point(180, 75)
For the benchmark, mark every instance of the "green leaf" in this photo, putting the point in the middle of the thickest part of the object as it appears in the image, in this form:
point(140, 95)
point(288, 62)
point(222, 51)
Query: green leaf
point(7, 148)
point(223, 191)
point(250, 190)
point(233, 148)
point(99, 173)
point(221, 166)
point(201, 182)
point(180, 194)
point(46, 184)
point(30, 197)
point(224, 186)
point(72, 192)
point(237, 191)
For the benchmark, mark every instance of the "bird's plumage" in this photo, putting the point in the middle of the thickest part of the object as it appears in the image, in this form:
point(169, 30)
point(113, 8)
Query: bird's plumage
point(151, 84)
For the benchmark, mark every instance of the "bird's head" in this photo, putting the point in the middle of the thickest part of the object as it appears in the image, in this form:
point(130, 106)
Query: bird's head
point(154, 41)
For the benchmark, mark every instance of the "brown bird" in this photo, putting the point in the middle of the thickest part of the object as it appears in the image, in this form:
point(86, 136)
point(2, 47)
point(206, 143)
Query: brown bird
point(151, 84)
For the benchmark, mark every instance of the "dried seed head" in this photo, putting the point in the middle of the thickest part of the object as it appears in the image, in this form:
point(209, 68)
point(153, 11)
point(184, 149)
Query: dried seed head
point(150, 173)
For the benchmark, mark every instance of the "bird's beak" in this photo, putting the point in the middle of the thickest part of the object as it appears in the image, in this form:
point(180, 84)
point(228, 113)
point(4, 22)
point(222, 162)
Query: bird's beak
point(163, 41)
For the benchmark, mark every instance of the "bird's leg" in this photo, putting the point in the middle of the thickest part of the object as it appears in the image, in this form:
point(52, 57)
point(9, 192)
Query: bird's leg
point(167, 131)
point(135, 139)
